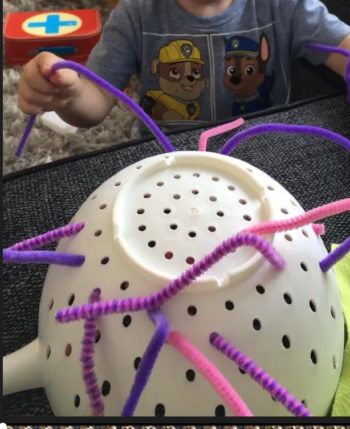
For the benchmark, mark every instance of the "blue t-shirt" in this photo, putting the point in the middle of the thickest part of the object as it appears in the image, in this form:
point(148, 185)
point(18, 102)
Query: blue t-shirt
point(204, 69)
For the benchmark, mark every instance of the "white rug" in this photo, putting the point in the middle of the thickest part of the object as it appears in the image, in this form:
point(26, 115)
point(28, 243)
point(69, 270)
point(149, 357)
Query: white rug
point(45, 145)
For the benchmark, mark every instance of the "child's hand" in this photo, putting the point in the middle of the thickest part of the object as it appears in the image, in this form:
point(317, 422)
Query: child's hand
point(39, 90)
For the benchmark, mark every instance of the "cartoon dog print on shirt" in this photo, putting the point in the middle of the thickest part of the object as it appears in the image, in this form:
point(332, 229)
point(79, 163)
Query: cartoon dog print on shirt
point(245, 73)
point(179, 67)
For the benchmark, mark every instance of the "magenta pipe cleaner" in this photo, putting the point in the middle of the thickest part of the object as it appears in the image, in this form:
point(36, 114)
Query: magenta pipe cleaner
point(148, 361)
point(48, 237)
point(155, 300)
point(87, 361)
point(42, 257)
point(336, 255)
point(335, 50)
point(284, 128)
point(259, 375)
point(140, 113)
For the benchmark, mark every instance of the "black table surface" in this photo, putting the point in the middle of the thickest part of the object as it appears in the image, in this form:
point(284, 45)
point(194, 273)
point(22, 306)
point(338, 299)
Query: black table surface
point(313, 170)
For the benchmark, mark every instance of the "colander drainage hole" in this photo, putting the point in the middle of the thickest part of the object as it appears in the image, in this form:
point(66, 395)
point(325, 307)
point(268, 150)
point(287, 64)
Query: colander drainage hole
point(287, 298)
point(68, 350)
point(76, 401)
point(211, 228)
point(192, 310)
point(48, 352)
point(124, 285)
point(334, 361)
point(305, 233)
point(332, 312)
point(140, 211)
point(97, 233)
point(241, 370)
point(215, 179)
point(152, 244)
point(127, 320)
point(51, 304)
point(159, 410)
point(231, 188)
point(220, 213)
point(247, 218)
point(304, 402)
point(242, 201)
point(220, 411)
point(137, 362)
point(103, 206)
point(106, 388)
point(71, 299)
point(229, 305)
point(142, 228)
point(288, 237)
point(160, 184)
point(177, 176)
point(176, 196)
point(260, 289)
point(168, 255)
point(190, 260)
point(117, 184)
point(166, 211)
point(190, 375)
point(303, 266)
point(257, 324)
point(212, 198)
point(105, 260)
point(284, 211)
point(173, 226)
point(196, 175)
point(270, 188)
point(312, 305)
point(195, 191)
point(147, 195)
point(286, 341)
point(313, 357)
point(97, 336)
point(192, 234)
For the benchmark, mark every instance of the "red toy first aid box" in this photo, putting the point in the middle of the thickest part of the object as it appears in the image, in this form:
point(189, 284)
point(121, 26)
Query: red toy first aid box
point(70, 34)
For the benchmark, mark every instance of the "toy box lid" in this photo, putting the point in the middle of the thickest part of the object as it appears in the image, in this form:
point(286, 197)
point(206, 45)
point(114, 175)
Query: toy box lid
point(59, 24)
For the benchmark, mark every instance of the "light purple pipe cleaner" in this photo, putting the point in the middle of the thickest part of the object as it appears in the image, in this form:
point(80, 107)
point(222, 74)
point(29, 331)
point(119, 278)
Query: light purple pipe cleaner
point(157, 299)
point(335, 256)
point(141, 114)
point(259, 375)
point(87, 360)
point(48, 237)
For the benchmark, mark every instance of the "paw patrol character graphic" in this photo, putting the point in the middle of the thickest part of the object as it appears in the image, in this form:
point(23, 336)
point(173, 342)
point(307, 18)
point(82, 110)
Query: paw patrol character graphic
point(245, 77)
point(179, 67)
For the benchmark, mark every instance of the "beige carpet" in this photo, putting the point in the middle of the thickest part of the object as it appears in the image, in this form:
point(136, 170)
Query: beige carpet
point(45, 145)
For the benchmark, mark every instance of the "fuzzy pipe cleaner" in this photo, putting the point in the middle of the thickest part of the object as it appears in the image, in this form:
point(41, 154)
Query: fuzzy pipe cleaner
point(157, 299)
point(93, 77)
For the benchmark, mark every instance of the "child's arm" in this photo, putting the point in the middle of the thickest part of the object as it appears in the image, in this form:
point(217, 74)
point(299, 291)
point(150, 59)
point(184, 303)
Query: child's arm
point(337, 62)
point(78, 101)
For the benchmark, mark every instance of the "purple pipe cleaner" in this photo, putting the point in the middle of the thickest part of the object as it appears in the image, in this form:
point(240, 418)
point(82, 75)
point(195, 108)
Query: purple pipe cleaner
point(336, 255)
point(140, 113)
point(42, 257)
point(48, 237)
point(259, 375)
point(87, 361)
point(155, 300)
point(147, 362)
point(335, 50)
point(284, 128)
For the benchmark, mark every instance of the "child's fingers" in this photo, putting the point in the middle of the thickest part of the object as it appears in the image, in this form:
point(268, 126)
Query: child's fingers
point(28, 108)
point(64, 78)
point(36, 97)
point(61, 78)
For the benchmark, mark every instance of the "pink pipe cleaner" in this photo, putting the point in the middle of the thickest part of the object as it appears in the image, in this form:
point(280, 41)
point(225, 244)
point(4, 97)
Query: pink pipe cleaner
point(220, 384)
point(259, 375)
point(157, 299)
point(319, 228)
point(306, 218)
point(87, 361)
point(221, 129)
point(48, 237)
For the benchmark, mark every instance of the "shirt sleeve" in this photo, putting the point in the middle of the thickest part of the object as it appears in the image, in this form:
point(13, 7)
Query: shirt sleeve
point(116, 55)
point(312, 23)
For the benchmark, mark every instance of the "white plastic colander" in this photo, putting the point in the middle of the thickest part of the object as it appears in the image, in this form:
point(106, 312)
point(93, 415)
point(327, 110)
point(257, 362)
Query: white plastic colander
point(143, 227)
